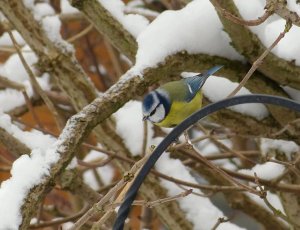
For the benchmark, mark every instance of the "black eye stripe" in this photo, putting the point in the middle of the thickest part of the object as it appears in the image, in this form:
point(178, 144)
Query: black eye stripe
point(153, 111)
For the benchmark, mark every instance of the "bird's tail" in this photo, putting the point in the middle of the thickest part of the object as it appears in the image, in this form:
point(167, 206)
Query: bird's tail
point(211, 71)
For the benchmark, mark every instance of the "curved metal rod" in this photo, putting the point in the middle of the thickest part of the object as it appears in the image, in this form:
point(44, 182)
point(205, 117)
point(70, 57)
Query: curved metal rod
point(176, 132)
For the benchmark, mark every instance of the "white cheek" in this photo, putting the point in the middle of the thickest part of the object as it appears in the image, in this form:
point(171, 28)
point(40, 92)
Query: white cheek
point(159, 114)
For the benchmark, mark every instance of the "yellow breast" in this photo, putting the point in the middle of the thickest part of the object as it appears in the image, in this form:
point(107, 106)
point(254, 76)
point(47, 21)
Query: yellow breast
point(180, 111)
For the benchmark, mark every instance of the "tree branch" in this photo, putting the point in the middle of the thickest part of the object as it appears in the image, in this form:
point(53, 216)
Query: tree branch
point(106, 24)
point(247, 43)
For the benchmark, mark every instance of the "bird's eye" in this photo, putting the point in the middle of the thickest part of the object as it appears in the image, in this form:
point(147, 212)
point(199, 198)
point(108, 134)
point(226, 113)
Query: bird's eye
point(153, 111)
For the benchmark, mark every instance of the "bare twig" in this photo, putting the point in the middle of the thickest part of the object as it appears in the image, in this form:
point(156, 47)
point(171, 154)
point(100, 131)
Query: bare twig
point(17, 86)
point(220, 221)
point(146, 218)
point(11, 84)
point(145, 137)
point(4, 160)
point(31, 109)
point(214, 188)
point(60, 221)
point(114, 59)
point(281, 9)
point(286, 127)
point(294, 188)
point(71, 16)
point(95, 164)
point(289, 165)
point(294, 165)
point(149, 204)
point(224, 147)
point(239, 20)
point(5, 169)
point(257, 63)
point(208, 194)
point(98, 207)
point(36, 85)
point(81, 33)
point(275, 211)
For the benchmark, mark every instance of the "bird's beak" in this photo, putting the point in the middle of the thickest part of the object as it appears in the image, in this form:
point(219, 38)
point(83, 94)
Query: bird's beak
point(145, 118)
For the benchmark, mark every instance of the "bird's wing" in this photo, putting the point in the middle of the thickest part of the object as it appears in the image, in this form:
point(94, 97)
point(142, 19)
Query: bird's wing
point(195, 83)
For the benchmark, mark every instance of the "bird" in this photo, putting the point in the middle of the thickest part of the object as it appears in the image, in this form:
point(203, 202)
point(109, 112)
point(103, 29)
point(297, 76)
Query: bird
point(171, 103)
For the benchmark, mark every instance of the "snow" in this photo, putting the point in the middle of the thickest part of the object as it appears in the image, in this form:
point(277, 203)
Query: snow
point(39, 10)
point(50, 22)
point(134, 23)
point(199, 210)
point(14, 70)
point(208, 148)
point(51, 25)
point(106, 172)
point(267, 171)
point(293, 93)
point(183, 30)
point(129, 125)
point(211, 90)
point(66, 8)
point(137, 6)
point(250, 10)
point(293, 6)
point(285, 147)
point(271, 197)
point(32, 139)
point(27, 171)
point(6, 41)
point(101, 68)
point(67, 225)
point(288, 48)
point(267, 32)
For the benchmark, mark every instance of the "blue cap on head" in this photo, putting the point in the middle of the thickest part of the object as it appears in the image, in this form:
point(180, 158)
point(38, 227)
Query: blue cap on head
point(148, 103)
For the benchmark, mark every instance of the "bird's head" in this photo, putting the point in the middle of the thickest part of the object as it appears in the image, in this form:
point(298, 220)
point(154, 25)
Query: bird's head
point(156, 106)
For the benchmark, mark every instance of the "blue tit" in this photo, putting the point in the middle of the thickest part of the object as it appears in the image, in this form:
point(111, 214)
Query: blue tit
point(171, 103)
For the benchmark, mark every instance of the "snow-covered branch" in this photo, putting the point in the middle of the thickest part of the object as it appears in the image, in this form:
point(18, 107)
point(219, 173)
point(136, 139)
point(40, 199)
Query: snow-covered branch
point(176, 42)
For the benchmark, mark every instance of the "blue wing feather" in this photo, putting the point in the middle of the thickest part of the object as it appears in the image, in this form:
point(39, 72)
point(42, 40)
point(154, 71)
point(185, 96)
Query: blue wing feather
point(195, 83)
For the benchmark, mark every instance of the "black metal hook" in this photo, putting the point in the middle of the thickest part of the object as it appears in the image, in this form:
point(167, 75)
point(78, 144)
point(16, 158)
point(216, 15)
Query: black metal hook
point(178, 130)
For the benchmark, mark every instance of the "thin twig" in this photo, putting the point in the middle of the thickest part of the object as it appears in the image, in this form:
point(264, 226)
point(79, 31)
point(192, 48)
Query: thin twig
point(287, 171)
point(4, 160)
point(81, 34)
point(95, 164)
point(226, 14)
point(220, 221)
point(208, 194)
point(275, 211)
point(60, 221)
point(214, 188)
point(258, 62)
point(20, 87)
point(31, 109)
point(98, 207)
point(149, 204)
point(5, 169)
point(145, 137)
point(286, 127)
point(11, 84)
point(294, 188)
point(36, 85)
point(224, 147)
point(222, 172)
point(114, 58)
